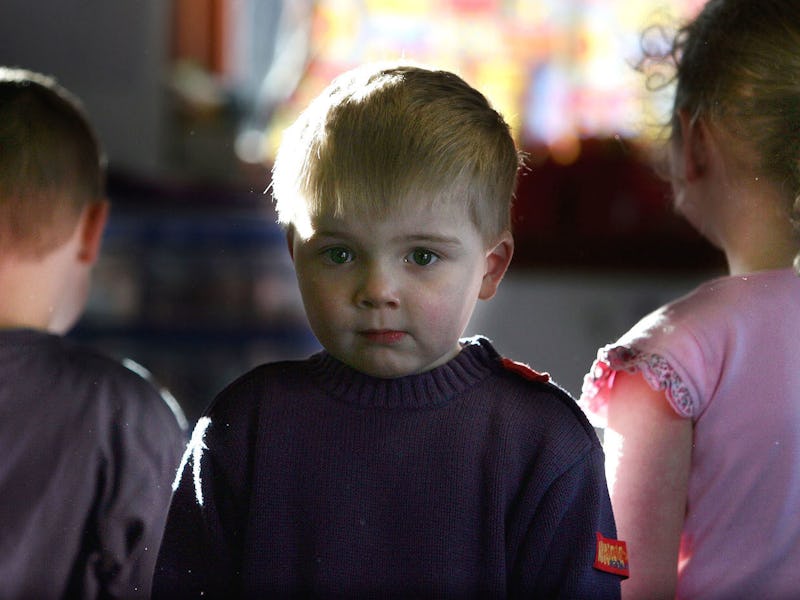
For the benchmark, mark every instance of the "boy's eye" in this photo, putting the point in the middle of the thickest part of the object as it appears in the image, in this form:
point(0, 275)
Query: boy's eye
point(338, 255)
point(421, 257)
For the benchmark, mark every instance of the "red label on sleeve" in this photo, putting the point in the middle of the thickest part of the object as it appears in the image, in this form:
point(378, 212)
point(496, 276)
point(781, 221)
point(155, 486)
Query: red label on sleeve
point(611, 556)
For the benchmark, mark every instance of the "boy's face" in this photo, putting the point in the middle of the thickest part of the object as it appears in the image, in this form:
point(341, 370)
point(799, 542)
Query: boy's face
point(391, 297)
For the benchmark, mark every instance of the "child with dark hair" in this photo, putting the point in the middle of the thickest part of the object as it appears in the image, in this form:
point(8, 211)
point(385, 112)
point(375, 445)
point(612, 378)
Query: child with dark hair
point(89, 447)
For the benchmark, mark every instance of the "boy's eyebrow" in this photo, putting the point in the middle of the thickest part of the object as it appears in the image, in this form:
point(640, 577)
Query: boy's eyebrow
point(431, 238)
point(419, 238)
point(328, 233)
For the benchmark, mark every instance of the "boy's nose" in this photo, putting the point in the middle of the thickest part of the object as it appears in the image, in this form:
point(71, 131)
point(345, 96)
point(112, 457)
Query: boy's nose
point(377, 289)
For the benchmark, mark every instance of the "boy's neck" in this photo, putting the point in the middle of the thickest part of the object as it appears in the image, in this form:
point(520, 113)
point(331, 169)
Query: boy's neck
point(34, 290)
point(24, 302)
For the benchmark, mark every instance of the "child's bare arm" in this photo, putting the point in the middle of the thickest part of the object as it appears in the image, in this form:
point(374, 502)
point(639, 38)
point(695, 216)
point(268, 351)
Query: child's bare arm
point(648, 455)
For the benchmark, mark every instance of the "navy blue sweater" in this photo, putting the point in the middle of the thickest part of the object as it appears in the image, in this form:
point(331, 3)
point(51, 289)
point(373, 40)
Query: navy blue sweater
point(308, 478)
point(89, 449)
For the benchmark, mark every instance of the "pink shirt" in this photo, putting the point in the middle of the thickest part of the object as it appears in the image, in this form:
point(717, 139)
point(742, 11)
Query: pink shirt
point(728, 357)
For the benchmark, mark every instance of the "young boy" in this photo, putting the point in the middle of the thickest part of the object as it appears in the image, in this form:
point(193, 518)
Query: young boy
point(89, 448)
point(400, 461)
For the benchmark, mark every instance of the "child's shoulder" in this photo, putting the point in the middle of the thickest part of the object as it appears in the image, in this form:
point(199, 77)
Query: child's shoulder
point(82, 366)
point(100, 388)
point(739, 289)
point(270, 374)
point(545, 406)
point(234, 414)
point(271, 379)
point(519, 388)
point(717, 304)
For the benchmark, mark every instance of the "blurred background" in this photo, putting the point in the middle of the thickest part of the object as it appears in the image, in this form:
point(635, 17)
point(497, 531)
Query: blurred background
point(190, 98)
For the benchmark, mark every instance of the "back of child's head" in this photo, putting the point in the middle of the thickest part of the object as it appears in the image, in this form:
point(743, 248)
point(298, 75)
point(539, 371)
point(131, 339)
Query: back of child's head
point(737, 65)
point(386, 135)
point(51, 164)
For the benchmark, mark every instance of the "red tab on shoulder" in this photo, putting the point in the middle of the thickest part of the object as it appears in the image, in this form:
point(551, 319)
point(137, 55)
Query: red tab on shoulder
point(612, 556)
point(525, 370)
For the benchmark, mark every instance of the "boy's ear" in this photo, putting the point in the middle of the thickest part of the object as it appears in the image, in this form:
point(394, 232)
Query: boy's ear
point(92, 225)
point(695, 138)
point(498, 258)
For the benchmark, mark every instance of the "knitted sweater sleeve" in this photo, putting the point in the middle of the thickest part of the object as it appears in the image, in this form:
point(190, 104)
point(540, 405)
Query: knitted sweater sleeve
point(558, 549)
point(199, 554)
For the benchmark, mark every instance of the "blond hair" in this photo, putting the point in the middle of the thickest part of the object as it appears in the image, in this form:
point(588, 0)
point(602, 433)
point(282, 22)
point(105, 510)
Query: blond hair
point(51, 164)
point(387, 134)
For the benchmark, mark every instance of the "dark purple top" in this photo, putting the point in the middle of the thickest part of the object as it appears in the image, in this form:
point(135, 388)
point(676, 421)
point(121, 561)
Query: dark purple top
point(310, 478)
point(89, 450)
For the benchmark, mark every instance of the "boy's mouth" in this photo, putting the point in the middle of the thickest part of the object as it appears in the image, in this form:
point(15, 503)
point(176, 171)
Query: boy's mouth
point(383, 336)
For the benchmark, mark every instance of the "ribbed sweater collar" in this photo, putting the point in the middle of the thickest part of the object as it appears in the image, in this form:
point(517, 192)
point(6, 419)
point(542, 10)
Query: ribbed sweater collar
point(436, 387)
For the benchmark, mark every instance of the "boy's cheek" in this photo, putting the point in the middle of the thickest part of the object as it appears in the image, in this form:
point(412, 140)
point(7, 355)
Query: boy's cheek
point(436, 315)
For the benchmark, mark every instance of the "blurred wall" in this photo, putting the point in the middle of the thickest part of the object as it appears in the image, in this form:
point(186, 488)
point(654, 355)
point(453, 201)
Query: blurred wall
point(556, 320)
point(111, 53)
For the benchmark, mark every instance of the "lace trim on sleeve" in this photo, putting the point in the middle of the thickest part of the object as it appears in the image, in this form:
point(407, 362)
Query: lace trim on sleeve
point(655, 369)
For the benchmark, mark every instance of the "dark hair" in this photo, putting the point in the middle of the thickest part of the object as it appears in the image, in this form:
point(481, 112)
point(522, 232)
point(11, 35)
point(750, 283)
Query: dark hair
point(51, 163)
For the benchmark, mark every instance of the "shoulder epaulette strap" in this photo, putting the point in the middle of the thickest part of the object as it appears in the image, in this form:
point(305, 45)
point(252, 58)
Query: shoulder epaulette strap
point(524, 370)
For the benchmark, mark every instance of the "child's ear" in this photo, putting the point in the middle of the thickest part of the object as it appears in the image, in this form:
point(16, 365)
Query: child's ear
point(695, 139)
point(498, 258)
point(93, 224)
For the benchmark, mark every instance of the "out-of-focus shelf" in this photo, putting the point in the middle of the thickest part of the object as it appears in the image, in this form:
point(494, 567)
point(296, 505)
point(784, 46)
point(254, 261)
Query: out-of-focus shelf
point(196, 284)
